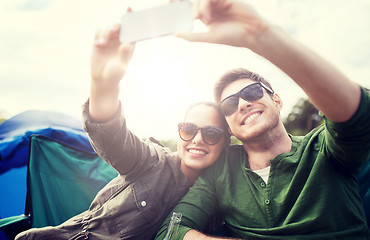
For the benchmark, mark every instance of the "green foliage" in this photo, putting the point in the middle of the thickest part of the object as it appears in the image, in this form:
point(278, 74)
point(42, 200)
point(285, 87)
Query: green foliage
point(171, 144)
point(235, 141)
point(303, 118)
point(1, 118)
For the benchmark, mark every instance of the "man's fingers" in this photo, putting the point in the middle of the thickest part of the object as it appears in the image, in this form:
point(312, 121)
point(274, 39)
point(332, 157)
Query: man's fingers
point(204, 11)
point(195, 37)
point(126, 51)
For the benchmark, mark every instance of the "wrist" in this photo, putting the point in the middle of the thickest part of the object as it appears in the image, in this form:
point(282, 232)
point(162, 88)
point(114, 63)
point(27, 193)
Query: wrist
point(266, 39)
point(104, 102)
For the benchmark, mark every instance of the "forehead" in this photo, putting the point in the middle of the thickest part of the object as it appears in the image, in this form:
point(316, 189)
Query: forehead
point(203, 115)
point(235, 87)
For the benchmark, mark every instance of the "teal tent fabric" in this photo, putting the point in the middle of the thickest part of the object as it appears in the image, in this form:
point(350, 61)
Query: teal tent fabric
point(15, 134)
point(16, 131)
point(56, 145)
point(62, 180)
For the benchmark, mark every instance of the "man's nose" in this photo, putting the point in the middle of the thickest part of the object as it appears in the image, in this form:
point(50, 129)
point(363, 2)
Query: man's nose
point(243, 104)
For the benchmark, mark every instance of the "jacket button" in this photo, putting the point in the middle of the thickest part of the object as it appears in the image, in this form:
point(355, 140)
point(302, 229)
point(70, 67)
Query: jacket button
point(143, 203)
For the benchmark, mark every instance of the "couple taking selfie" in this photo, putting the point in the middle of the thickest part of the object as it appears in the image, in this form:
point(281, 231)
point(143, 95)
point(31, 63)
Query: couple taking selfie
point(272, 186)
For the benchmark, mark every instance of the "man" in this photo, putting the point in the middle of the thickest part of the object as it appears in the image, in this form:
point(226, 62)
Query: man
point(278, 186)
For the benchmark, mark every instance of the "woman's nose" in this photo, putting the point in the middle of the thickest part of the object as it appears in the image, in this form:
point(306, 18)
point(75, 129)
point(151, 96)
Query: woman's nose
point(198, 137)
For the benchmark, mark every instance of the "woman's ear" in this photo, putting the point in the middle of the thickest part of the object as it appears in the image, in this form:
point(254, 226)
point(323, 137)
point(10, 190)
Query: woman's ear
point(227, 142)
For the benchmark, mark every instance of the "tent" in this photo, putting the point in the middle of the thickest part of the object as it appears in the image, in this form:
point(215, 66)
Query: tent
point(62, 158)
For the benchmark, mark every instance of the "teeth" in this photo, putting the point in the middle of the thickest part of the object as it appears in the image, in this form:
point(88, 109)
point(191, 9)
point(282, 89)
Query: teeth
point(251, 117)
point(197, 151)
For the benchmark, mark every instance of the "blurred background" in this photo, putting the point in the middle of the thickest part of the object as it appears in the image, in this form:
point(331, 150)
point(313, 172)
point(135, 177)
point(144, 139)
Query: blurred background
point(45, 50)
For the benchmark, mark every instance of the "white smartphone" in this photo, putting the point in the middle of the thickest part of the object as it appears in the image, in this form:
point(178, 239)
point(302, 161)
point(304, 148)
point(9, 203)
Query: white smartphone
point(155, 22)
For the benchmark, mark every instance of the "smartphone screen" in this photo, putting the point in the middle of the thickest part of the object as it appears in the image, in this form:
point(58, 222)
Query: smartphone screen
point(155, 22)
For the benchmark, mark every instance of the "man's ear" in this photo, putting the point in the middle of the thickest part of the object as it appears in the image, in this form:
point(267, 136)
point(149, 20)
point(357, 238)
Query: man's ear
point(278, 102)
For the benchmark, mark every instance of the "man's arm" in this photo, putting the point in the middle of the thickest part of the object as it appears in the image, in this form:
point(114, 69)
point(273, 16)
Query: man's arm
point(198, 208)
point(235, 23)
point(327, 88)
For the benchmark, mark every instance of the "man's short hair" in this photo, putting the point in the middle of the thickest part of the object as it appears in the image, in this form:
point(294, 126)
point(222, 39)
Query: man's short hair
point(233, 75)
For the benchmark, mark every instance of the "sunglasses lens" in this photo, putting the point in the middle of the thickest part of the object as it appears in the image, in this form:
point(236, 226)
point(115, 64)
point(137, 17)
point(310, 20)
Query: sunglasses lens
point(252, 93)
point(212, 135)
point(187, 131)
point(229, 105)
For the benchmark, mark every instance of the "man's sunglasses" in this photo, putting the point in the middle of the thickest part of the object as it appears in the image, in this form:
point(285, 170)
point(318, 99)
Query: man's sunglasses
point(250, 93)
point(210, 134)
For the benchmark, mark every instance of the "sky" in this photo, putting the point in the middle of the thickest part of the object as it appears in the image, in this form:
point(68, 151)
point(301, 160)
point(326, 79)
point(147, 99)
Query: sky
point(45, 50)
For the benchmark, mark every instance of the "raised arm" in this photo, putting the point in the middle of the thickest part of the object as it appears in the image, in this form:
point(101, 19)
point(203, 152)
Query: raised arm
point(235, 23)
point(109, 61)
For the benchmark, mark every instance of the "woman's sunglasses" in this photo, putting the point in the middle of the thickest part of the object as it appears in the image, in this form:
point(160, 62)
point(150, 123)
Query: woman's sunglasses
point(250, 93)
point(210, 134)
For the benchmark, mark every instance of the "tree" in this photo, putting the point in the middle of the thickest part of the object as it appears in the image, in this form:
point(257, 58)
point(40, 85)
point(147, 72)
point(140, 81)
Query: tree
point(303, 118)
point(1, 118)
point(171, 144)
